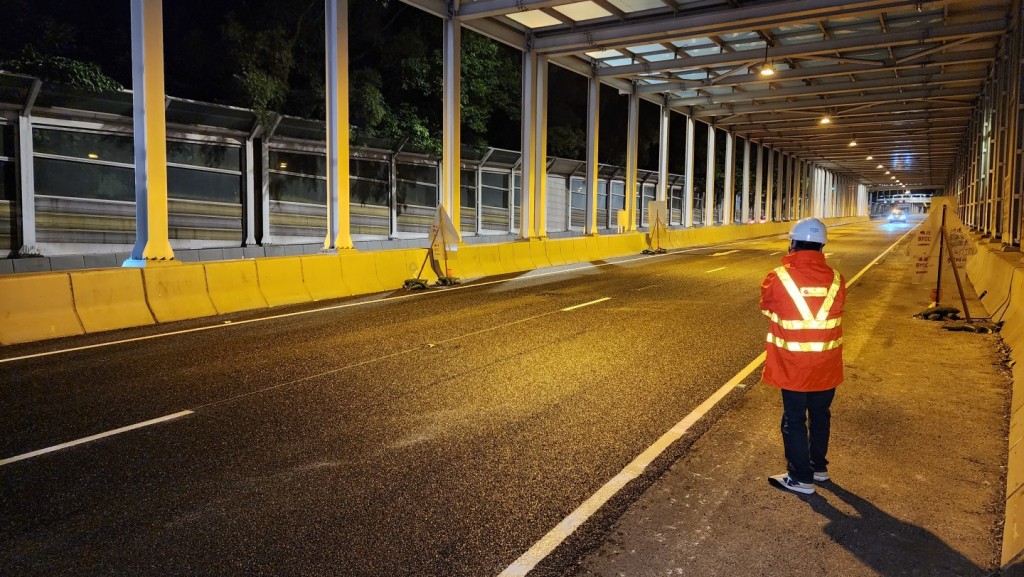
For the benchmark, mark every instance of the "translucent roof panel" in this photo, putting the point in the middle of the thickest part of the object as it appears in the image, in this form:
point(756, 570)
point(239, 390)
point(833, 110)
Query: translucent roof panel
point(583, 11)
point(534, 19)
point(647, 48)
point(637, 5)
point(603, 54)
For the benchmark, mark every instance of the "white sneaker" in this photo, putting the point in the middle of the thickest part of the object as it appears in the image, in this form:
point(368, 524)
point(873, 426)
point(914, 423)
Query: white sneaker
point(820, 476)
point(784, 481)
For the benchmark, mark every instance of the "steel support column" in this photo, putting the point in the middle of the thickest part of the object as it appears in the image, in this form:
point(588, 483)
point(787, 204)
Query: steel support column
point(593, 122)
point(745, 183)
point(338, 207)
point(769, 204)
point(451, 128)
point(759, 184)
point(540, 148)
point(150, 131)
point(709, 181)
point(632, 143)
point(27, 197)
point(529, 125)
point(729, 192)
point(688, 201)
point(666, 113)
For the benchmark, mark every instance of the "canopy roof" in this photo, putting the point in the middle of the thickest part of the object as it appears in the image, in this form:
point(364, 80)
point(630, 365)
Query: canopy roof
point(898, 78)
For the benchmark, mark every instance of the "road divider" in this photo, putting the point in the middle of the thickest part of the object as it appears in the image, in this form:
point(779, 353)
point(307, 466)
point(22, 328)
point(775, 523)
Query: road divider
point(234, 286)
point(37, 306)
point(281, 281)
point(176, 293)
point(110, 299)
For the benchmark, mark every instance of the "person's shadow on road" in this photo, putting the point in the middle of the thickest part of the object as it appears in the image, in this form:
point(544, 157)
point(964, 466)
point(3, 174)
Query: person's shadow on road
point(889, 546)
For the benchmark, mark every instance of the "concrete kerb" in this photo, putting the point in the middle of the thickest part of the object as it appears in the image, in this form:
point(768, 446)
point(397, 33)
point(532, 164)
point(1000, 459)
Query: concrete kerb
point(1001, 277)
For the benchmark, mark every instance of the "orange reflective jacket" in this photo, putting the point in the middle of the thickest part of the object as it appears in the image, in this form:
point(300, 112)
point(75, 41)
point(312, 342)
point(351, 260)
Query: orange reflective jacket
point(803, 300)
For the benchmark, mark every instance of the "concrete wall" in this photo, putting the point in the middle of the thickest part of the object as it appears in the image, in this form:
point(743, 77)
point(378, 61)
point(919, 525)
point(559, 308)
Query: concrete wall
point(1000, 276)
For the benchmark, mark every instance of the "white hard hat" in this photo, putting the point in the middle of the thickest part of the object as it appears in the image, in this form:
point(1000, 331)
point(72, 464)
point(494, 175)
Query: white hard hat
point(809, 230)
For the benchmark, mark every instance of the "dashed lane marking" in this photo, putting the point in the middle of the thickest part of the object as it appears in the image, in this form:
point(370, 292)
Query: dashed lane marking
point(91, 438)
point(716, 269)
point(587, 304)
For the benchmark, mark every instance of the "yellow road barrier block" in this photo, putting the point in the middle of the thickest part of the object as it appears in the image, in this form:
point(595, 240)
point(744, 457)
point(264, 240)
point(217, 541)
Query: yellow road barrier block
point(392, 269)
point(490, 259)
point(37, 306)
point(281, 281)
point(360, 272)
point(507, 257)
point(539, 254)
point(593, 249)
point(414, 259)
point(234, 286)
point(176, 293)
point(523, 255)
point(468, 265)
point(559, 252)
point(110, 299)
point(322, 275)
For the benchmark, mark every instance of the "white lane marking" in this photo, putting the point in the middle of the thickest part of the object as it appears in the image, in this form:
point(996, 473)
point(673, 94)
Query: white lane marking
point(527, 561)
point(542, 548)
point(24, 456)
point(775, 253)
point(828, 254)
point(579, 306)
point(725, 253)
point(716, 269)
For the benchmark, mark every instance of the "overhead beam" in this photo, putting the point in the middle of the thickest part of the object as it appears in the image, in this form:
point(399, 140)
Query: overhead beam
point(838, 101)
point(675, 25)
point(834, 88)
point(488, 8)
point(936, 60)
point(853, 43)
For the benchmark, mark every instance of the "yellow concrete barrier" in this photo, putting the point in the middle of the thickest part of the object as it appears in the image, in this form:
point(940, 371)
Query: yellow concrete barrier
point(539, 253)
point(593, 249)
point(360, 272)
point(414, 259)
point(281, 281)
point(176, 293)
point(507, 258)
point(490, 259)
point(467, 264)
point(234, 286)
point(110, 299)
point(559, 252)
point(322, 276)
point(37, 306)
point(523, 255)
point(392, 268)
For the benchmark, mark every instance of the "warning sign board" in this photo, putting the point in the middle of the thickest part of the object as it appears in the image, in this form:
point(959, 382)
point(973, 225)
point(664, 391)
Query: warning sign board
point(924, 246)
point(443, 235)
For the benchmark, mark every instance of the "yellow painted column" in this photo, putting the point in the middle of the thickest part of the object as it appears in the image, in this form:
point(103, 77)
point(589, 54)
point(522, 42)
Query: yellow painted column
point(338, 195)
point(151, 234)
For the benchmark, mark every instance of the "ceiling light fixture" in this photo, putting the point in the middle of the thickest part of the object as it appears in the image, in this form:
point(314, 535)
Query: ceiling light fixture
point(825, 119)
point(887, 172)
point(870, 157)
point(879, 166)
point(766, 66)
point(854, 141)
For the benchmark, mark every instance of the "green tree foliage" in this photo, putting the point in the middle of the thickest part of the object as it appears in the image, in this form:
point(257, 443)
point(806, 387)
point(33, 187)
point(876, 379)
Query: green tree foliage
point(82, 76)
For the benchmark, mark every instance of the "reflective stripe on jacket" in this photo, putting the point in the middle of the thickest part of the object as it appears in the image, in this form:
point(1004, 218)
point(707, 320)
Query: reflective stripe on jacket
point(803, 300)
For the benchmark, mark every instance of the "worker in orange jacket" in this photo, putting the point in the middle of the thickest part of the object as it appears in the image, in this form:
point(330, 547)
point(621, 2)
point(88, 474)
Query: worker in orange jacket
point(803, 300)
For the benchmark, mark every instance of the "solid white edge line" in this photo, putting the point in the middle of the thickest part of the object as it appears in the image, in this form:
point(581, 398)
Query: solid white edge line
point(24, 456)
point(543, 547)
point(527, 561)
point(579, 306)
point(715, 269)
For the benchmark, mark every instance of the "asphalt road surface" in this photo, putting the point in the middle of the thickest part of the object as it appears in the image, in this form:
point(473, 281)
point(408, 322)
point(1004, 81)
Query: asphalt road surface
point(438, 433)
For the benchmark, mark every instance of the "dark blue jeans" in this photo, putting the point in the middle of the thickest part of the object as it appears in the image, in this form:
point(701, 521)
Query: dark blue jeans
point(805, 453)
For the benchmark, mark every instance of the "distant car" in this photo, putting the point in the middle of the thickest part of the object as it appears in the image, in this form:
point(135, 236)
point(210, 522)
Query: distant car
point(897, 216)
